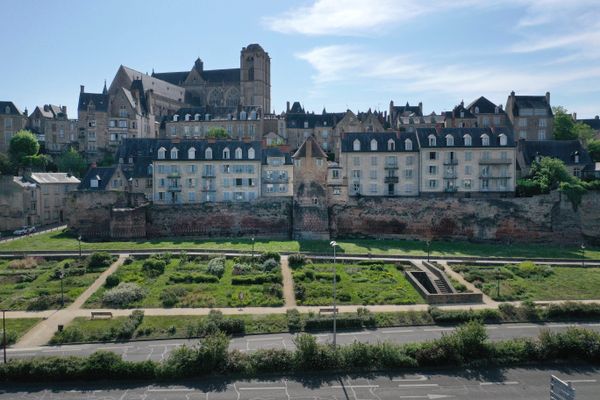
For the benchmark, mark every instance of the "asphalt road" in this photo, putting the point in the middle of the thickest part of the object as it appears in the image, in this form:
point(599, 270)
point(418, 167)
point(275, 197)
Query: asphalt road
point(159, 349)
point(492, 384)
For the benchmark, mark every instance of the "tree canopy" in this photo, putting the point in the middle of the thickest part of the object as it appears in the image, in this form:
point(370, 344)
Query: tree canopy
point(23, 148)
point(71, 161)
point(593, 148)
point(565, 127)
point(550, 172)
point(217, 133)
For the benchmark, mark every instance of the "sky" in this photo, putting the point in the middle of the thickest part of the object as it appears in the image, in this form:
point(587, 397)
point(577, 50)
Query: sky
point(333, 54)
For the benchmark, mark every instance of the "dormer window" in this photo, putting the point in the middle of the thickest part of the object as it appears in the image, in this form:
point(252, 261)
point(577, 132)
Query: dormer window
point(449, 140)
point(496, 110)
point(209, 155)
point(191, 153)
point(503, 139)
point(197, 117)
point(432, 140)
point(305, 124)
point(251, 153)
point(206, 117)
point(485, 140)
point(130, 160)
point(187, 117)
point(252, 114)
point(462, 114)
point(7, 110)
point(238, 153)
point(373, 145)
point(391, 145)
point(476, 110)
point(576, 157)
point(408, 145)
point(150, 169)
point(226, 153)
point(243, 115)
point(468, 140)
point(162, 152)
point(176, 117)
point(356, 145)
point(174, 153)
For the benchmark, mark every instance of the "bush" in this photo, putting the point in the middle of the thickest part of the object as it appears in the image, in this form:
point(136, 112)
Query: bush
point(216, 267)
point(326, 323)
point(241, 269)
point(192, 277)
point(269, 265)
point(294, 320)
point(126, 330)
point(154, 267)
point(123, 295)
point(111, 281)
point(296, 260)
point(99, 261)
point(528, 188)
point(255, 279)
point(46, 301)
point(171, 295)
point(270, 255)
point(209, 356)
point(129, 260)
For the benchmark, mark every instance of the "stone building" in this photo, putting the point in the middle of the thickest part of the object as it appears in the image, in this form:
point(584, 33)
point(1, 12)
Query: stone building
point(466, 160)
point(379, 164)
point(53, 127)
point(488, 114)
point(408, 118)
point(277, 172)
point(460, 117)
point(571, 152)
point(531, 116)
point(92, 122)
point(12, 120)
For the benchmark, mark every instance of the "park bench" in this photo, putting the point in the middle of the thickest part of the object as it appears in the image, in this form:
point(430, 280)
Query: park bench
point(328, 310)
point(105, 314)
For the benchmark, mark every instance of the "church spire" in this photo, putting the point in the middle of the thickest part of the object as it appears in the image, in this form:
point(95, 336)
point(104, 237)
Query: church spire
point(104, 91)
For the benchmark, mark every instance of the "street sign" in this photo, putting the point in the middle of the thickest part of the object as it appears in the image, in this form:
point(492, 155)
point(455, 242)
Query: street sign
point(561, 390)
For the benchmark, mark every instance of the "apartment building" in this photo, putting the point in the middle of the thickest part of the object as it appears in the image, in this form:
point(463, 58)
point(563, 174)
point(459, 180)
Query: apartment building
point(277, 172)
point(379, 164)
point(488, 114)
point(12, 120)
point(53, 127)
point(531, 116)
point(466, 160)
point(570, 152)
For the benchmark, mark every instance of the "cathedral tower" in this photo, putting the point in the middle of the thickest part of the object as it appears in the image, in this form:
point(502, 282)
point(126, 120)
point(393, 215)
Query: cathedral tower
point(255, 76)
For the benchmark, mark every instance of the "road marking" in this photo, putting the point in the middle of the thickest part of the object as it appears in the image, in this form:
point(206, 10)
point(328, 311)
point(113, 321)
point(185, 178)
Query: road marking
point(61, 350)
point(438, 329)
point(113, 347)
point(170, 390)
point(352, 334)
point(419, 385)
point(417, 378)
point(264, 388)
point(427, 396)
point(523, 327)
point(262, 339)
point(581, 381)
point(498, 383)
point(391, 331)
point(355, 386)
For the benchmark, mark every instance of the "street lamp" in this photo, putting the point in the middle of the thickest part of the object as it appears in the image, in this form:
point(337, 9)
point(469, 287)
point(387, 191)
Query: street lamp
point(428, 249)
point(62, 291)
point(582, 255)
point(4, 333)
point(252, 250)
point(334, 244)
point(498, 283)
point(79, 240)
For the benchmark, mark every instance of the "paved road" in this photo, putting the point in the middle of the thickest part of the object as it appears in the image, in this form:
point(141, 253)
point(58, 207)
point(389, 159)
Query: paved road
point(488, 384)
point(159, 349)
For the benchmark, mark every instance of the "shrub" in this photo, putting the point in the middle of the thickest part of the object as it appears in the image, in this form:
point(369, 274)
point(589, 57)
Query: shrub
point(99, 260)
point(216, 267)
point(24, 263)
point(294, 320)
point(111, 281)
point(209, 356)
point(255, 279)
point(154, 267)
point(129, 260)
point(269, 255)
point(46, 301)
point(123, 295)
point(241, 269)
point(171, 295)
point(269, 265)
point(192, 277)
point(296, 260)
point(528, 188)
point(134, 320)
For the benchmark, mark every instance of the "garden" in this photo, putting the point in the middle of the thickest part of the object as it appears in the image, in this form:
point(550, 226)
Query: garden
point(17, 327)
point(366, 282)
point(34, 284)
point(166, 280)
point(529, 281)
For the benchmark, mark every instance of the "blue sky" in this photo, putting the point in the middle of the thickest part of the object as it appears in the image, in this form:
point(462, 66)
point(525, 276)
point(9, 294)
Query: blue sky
point(336, 54)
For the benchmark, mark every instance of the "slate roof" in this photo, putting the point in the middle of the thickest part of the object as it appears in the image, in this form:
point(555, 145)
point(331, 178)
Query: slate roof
point(254, 47)
point(593, 123)
point(13, 109)
point(485, 106)
point(175, 78)
point(296, 108)
point(562, 149)
point(316, 150)
point(382, 139)
point(215, 112)
point(407, 110)
point(296, 120)
point(53, 177)
point(528, 102)
point(99, 100)
point(104, 173)
point(276, 152)
point(230, 75)
point(160, 87)
point(458, 135)
point(456, 112)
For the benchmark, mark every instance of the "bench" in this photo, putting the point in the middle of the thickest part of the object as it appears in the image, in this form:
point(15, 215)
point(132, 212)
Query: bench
point(106, 314)
point(328, 310)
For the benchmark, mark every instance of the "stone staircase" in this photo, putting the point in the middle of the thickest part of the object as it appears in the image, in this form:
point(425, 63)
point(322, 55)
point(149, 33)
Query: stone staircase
point(442, 286)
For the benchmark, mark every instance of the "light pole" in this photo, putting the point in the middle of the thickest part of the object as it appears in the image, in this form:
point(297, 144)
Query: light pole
point(62, 291)
point(79, 240)
point(252, 250)
point(334, 244)
point(4, 333)
point(498, 283)
point(428, 249)
point(582, 255)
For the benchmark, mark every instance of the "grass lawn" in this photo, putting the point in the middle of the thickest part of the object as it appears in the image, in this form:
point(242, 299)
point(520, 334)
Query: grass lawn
point(33, 283)
point(526, 281)
point(15, 328)
point(356, 284)
point(62, 241)
point(182, 285)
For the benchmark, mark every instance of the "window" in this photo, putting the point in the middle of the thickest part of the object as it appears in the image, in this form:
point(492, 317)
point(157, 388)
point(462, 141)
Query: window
point(485, 155)
point(356, 188)
point(485, 171)
point(319, 162)
point(449, 140)
point(208, 154)
point(468, 140)
point(191, 153)
point(374, 161)
point(468, 170)
point(467, 183)
point(94, 183)
point(432, 155)
point(226, 153)
point(356, 145)
point(503, 139)
point(356, 173)
point(523, 134)
point(162, 153)
point(356, 161)
point(408, 145)
point(174, 153)
point(408, 174)
point(122, 123)
point(432, 183)
point(391, 145)
point(149, 169)
point(373, 174)
point(485, 140)
point(431, 140)
point(522, 123)
point(432, 169)
point(191, 197)
point(577, 172)
point(191, 182)
point(485, 184)
point(373, 145)
point(238, 153)
point(337, 191)
point(542, 123)
point(373, 188)
point(191, 169)
point(409, 160)
point(541, 134)
point(270, 188)
point(251, 153)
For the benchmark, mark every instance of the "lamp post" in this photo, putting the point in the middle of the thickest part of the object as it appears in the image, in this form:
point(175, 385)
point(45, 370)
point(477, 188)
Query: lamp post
point(252, 250)
point(79, 240)
point(4, 333)
point(582, 255)
point(334, 244)
point(498, 283)
point(428, 249)
point(62, 291)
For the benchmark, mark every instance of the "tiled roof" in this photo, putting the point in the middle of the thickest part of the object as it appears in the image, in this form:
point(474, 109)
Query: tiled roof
point(485, 107)
point(13, 109)
point(103, 173)
point(382, 139)
point(562, 149)
point(99, 100)
point(316, 150)
point(459, 133)
point(53, 177)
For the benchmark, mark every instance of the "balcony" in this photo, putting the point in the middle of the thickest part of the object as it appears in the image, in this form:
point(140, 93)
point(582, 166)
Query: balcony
point(449, 175)
point(389, 165)
point(275, 179)
point(391, 179)
point(209, 189)
point(494, 177)
point(495, 161)
point(174, 188)
point(453, 189)
point(208, 174)
point(452, 161)
point(174, 175)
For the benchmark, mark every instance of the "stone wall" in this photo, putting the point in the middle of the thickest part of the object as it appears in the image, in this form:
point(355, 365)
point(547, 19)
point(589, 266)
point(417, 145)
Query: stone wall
point(548, 219)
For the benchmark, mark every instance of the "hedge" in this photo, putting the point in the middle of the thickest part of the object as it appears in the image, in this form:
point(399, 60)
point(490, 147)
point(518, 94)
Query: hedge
point(255, 279)
point(192, 277)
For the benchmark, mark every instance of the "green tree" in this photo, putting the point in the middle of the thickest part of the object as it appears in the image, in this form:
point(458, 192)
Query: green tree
point(23, 146)
point(563, 124)
point(550, 172)
point(584, 132)
point(71, 161)
point(107, 160)
point(593, 148)
point(217, 133)
point(6, 167)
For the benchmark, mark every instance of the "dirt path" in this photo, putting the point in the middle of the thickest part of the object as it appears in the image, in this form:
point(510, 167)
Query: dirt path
point(288, 283)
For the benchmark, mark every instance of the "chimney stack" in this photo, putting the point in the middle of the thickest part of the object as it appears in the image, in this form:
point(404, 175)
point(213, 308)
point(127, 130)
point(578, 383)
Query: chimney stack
point(574, 116)
point(287, 106)
point(548, 97)
point(81, 88)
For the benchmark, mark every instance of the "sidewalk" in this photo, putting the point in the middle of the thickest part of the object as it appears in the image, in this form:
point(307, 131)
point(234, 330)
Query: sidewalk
point(289, 297)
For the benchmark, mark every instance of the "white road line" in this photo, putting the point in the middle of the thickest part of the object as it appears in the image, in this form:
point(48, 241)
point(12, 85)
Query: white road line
point(498, 383)
point(170, 390)
point(522, 327)
point(113, 347)
point(419, 385)
point(354, 386)
point(264, 388)
point(353, 333)
point(263, 339)
point(392, 331)
point(438, 329)
point(418, 378)
point(61, 350)
point(581, 381)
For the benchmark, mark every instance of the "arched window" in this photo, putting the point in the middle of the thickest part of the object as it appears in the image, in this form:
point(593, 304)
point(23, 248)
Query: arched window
point(468, 140)
point(391, 145)
point(238, 153)
point(373, 145)
point(251, 154)
point(150, 169)
point(176, 117)
point(187, 117)
point(197, 117)
point(408, 144)
point(356, 145)
point(503, 139)
point(432, 140)
point(162, 152)
point(191, 153)
point(174, 153)
point(485, 140)
point(7, 110)
point(449, 140)
point(208, 153)
point(476, 110)
point(226, 153)
point(243, 115)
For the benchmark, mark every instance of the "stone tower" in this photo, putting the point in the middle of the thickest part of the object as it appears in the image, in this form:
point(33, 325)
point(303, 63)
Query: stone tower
point(255, 76)
point(310, 214)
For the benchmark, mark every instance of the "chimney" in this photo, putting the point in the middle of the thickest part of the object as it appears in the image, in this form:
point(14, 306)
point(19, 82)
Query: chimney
point(421, 107)
point(548, 97)
point(512, 94)
point(287, 106)
point(81, 88)
point(64, 110)
point(574, 116)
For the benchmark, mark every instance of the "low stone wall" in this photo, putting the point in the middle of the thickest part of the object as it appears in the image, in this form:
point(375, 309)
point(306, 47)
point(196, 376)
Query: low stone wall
point(449, 298)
